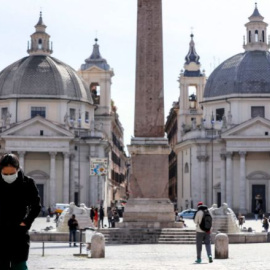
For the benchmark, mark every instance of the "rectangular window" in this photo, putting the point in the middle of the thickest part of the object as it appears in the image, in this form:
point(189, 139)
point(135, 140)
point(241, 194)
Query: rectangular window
point(219, 114)
point(86, 117)
point(4, 112)
point(41, 111)
point(72, 114)
point(257, 111)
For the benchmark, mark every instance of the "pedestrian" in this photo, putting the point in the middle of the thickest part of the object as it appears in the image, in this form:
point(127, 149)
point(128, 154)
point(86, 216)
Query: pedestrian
point(19, 206)
point(49, 211)
point(101, 216)
point(110, 214)
point(265, 224)
point(202, 235)
point(43, 210)
point(73, 226)
point(92, 213)
point(96, 218)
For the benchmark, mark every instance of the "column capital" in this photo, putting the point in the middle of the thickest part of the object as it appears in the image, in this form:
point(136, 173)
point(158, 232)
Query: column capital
point(202, 158)
point(223, 156)
point(242, 154)
point(229, 154)
point(66, 154)
point(22, 153)
point(53, 154)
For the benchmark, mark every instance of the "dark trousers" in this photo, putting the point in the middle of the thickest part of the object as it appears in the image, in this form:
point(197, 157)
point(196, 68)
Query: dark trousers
point(7, 265)
point(72, 235)
point(200, 238)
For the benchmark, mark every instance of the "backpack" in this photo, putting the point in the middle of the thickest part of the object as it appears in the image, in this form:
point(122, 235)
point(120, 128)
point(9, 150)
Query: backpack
point(206, 222)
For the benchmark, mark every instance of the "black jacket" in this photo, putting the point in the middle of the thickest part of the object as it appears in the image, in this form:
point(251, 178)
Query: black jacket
point(19, 202)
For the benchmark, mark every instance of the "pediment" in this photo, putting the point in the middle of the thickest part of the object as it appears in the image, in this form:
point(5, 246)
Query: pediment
point(257, 127)
point(33, 128)
point(94, 69)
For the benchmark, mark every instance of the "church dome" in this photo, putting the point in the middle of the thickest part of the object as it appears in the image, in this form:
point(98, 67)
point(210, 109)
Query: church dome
point(42, 76)
point(245, 73)
point(242, 74)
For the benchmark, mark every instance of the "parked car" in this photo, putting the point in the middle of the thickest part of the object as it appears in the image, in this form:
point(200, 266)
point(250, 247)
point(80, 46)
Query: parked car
point(188, 213)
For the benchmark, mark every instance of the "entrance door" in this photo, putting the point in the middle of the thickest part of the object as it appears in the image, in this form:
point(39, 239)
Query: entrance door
point(258, 190)
point(219, 199)
point(40, 188)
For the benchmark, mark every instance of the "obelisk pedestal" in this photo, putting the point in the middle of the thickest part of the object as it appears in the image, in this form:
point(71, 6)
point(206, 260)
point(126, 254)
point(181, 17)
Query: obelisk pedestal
point(148, 205)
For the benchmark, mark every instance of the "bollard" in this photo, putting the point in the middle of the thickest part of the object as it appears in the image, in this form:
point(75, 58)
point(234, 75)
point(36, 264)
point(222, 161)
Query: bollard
point(221, 246)
point(98, 246)
point(48, 218)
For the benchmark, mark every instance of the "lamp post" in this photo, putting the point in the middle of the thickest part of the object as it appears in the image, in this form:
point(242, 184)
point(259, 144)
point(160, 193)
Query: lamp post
point(212, 154)
point(79, 158)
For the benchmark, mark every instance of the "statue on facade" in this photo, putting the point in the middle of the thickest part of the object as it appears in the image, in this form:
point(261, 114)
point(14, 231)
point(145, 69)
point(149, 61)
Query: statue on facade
point(224, 122)
point(194, 124)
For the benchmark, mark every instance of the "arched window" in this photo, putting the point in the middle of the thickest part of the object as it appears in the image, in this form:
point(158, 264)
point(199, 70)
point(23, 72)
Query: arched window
point(256, 36)
point(95, 92)
point(262, 36)
point(186, 168)
point(40, 43)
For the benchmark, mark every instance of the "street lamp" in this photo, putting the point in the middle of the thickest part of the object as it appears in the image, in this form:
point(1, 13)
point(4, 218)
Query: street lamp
point(212, 152)
point(79, 157)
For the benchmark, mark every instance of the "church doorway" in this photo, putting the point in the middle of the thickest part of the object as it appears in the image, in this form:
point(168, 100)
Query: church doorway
point(258, 197)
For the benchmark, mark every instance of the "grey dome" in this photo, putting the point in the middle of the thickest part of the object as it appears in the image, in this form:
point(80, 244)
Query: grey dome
point(42, 76)
point(244, 73)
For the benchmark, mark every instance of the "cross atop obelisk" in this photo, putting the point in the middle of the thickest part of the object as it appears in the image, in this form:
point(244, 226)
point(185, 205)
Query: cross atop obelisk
point(149, 98)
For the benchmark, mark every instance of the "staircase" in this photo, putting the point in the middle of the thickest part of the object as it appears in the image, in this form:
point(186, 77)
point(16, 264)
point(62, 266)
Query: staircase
point(149, 236)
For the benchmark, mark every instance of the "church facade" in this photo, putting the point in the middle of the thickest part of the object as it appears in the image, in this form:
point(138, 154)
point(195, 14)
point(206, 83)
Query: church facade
point(220, 128)
point(63, 125)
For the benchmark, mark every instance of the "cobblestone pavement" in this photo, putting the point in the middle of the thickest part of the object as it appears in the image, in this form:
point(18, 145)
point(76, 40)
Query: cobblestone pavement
point(139, 257)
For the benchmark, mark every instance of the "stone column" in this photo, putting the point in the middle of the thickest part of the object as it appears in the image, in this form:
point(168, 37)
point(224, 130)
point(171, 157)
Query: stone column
point(242, 188)
point(21, 159)
point(66, 179)
point(222, 177)
point(72, 177)
point(229, 179)
point(202, 160)
point(52, 179)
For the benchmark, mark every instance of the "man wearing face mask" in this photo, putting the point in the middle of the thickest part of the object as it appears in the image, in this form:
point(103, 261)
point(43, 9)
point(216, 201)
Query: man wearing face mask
point(19, 206)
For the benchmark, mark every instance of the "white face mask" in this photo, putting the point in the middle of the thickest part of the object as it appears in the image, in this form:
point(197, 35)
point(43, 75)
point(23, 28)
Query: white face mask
point(10, 178)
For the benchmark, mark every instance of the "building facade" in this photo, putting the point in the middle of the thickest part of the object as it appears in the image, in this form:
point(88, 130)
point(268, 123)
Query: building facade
point(51, 119)
point(224, 126)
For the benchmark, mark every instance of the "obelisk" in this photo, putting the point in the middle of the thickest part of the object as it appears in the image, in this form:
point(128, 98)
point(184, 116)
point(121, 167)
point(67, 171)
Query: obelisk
point(148, 205)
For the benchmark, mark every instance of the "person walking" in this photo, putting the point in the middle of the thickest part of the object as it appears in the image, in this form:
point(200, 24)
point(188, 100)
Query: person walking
point(19, 206)
point(265, 224)
point(73, 226)
point(96, 218)
point(110, 214)
point(101, 216)
point(202, 234)
point(92, 213)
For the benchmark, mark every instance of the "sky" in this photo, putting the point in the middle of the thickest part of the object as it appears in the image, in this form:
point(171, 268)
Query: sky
point(217, 25)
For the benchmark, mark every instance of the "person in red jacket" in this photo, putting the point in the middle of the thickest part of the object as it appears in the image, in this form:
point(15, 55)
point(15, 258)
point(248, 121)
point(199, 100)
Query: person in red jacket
point(19, 206)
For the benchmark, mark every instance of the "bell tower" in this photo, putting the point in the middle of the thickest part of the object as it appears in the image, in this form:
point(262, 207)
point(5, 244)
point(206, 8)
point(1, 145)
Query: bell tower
point(191, 82)
point(97, 74)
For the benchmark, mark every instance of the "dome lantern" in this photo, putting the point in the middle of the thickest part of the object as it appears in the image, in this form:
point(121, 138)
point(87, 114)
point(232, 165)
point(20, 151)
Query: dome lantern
point(256, 33)
point(40, 40)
